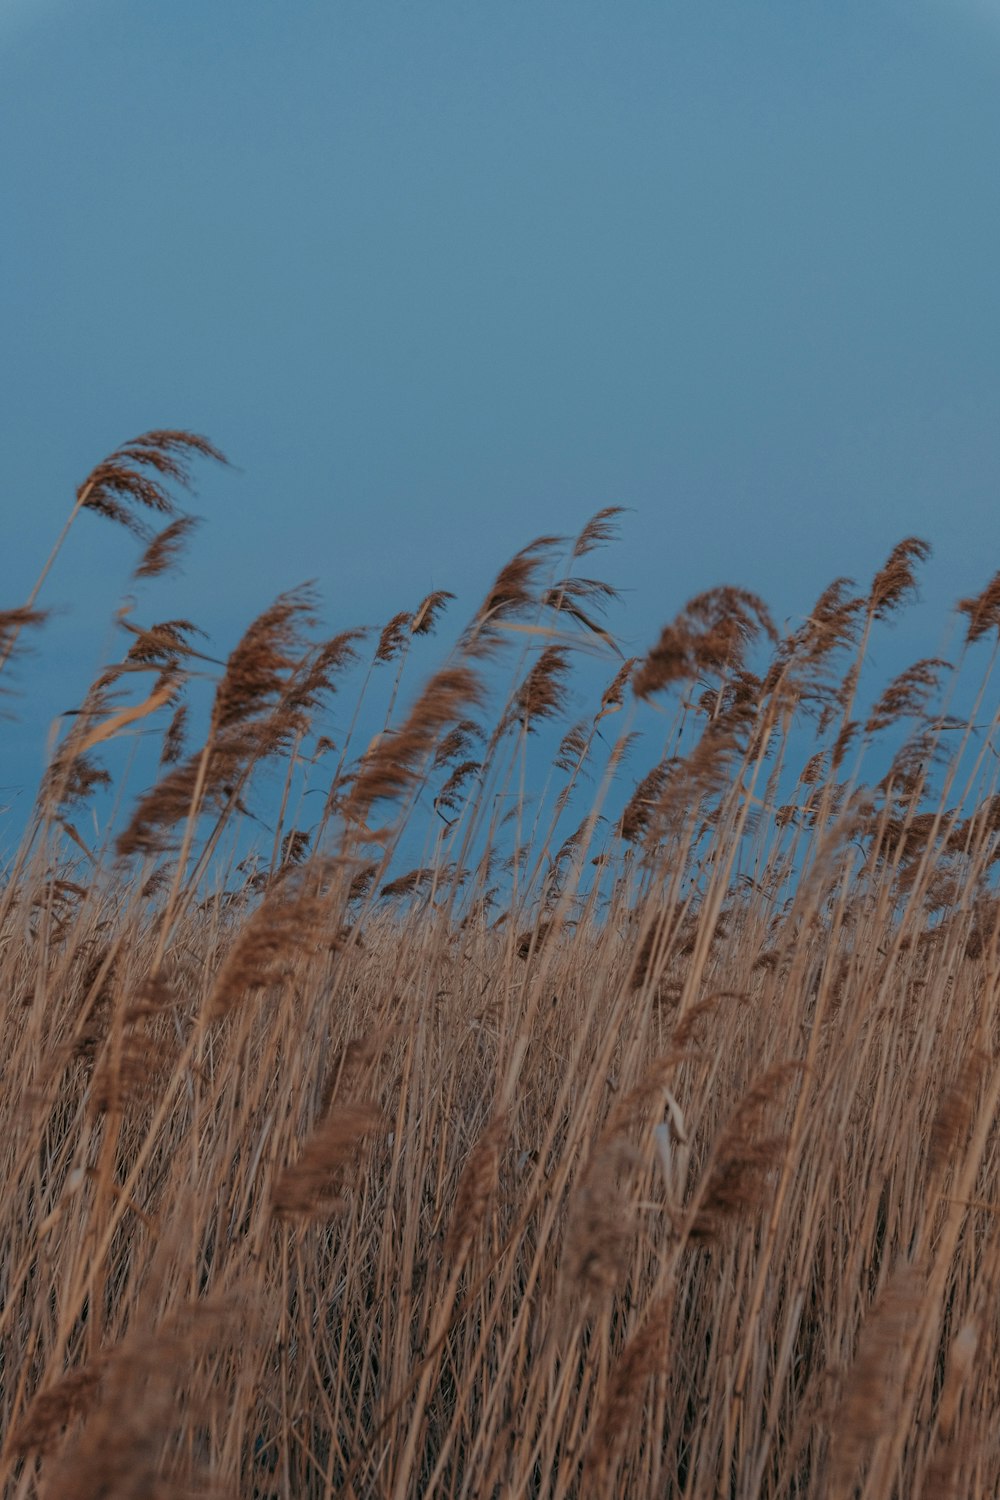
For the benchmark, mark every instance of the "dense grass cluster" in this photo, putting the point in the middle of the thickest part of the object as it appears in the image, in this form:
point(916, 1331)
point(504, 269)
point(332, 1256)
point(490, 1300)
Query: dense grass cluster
point(535, 1108)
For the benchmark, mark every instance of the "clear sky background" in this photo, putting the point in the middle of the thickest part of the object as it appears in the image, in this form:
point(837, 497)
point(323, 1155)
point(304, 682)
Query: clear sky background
point(438, 276)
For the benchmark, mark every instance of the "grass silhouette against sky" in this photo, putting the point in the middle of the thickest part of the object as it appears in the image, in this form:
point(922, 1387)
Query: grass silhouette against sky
point(436, 278)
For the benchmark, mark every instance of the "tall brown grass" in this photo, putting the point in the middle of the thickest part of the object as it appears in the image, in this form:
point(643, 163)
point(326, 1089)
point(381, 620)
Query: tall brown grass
point(530, 1118)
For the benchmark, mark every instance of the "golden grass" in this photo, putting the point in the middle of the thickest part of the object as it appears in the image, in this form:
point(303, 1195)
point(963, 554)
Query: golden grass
point(639, 1139)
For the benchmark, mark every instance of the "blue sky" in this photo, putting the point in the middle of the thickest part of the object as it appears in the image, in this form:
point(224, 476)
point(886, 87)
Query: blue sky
point(440, 276)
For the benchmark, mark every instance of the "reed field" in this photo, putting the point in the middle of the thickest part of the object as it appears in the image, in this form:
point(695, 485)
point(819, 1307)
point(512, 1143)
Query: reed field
point(420, 1089)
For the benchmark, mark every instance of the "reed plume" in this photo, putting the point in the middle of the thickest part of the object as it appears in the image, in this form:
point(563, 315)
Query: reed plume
point(393, 766)
point(601, 1132)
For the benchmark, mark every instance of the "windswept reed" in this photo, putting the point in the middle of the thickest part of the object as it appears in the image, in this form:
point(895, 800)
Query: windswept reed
point(541, 1077)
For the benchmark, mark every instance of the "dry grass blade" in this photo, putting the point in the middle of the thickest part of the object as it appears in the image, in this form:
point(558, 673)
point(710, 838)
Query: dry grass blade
point(163, 694)
point(513, 594)
point(427, 613)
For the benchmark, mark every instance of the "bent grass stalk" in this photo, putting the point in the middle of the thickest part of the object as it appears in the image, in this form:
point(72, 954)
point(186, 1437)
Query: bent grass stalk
point(435, 1158)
